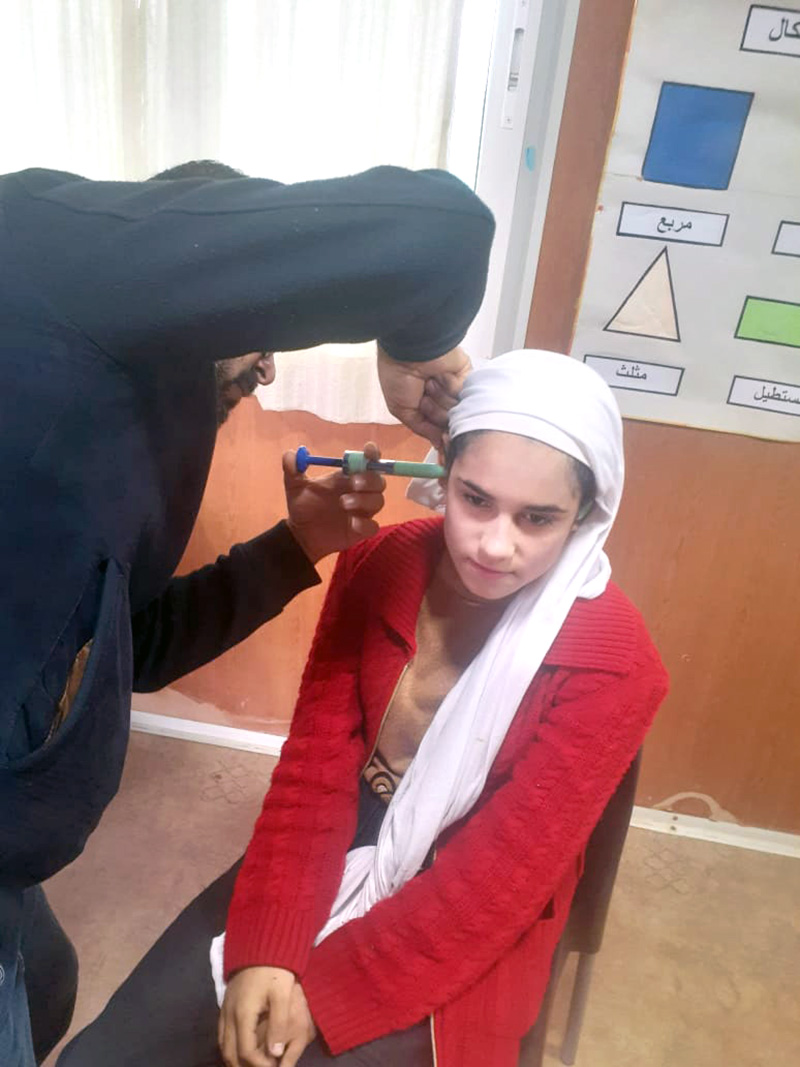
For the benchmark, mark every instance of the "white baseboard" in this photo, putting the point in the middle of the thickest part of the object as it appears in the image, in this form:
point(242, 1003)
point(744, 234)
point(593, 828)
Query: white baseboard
point(206, 733)
point(663, 822)
point(723, 833)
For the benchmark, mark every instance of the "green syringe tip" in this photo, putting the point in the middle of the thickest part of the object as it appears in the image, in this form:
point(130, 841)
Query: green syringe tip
point(417, 470)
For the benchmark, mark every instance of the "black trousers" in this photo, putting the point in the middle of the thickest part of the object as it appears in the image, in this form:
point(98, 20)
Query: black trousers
point(165, 1013)
point(49, 970)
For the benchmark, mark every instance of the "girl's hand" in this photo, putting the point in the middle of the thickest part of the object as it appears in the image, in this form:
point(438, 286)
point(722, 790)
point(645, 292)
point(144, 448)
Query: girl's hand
point(301, 1030)
point(254, 1023)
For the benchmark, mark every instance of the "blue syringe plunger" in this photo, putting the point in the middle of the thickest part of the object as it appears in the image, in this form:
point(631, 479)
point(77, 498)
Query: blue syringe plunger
point(304, 460)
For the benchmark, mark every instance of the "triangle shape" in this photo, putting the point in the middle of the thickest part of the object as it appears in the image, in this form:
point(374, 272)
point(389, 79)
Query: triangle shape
point(649, 308)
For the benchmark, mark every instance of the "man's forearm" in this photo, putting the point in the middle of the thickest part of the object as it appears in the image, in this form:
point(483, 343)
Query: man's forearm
point(201, 615)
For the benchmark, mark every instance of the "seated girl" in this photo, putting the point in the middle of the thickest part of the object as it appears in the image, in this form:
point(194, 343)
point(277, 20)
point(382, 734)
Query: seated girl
point(474, 694)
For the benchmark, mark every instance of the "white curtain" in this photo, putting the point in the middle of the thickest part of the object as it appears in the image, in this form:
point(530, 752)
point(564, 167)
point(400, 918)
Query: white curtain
point(286, 89)
point(319, 87)
point(61, 85)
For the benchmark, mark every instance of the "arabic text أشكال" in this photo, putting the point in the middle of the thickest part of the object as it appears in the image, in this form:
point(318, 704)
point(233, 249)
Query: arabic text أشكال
point(784, 30)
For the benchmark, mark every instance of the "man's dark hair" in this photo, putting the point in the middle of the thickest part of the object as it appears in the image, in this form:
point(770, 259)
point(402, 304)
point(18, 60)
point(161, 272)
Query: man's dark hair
point(198, 168)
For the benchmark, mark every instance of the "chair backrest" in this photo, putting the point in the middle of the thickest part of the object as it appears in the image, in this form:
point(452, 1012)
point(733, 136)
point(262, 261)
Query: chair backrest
point(587, 917)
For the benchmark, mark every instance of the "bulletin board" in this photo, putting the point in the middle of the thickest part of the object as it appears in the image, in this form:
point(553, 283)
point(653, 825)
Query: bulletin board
point(691, 302)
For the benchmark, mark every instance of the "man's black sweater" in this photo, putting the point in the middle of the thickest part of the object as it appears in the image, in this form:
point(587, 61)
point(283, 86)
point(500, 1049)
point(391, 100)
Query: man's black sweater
point(115, 301)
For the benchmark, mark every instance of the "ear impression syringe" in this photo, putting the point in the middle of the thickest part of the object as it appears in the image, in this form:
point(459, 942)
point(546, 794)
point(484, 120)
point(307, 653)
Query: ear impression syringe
point(356, 462)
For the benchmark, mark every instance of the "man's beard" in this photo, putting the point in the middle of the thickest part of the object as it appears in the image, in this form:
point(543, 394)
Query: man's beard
point(246, 381)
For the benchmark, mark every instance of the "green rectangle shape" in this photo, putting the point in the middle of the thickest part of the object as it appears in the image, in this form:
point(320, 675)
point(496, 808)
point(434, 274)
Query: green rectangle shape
point(777, 322)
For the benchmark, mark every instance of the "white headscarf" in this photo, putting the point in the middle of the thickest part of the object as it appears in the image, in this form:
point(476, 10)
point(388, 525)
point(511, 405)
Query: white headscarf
point(563, 403)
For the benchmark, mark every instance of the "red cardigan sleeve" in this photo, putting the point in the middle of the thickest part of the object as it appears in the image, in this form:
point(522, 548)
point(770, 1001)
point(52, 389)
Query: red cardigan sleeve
point(419, 949)
point(295, 859)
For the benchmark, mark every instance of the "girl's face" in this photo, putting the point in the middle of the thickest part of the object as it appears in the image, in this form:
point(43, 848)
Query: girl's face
point(511, 505)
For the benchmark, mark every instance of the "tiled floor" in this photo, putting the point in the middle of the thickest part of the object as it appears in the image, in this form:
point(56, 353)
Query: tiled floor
point(700, 966)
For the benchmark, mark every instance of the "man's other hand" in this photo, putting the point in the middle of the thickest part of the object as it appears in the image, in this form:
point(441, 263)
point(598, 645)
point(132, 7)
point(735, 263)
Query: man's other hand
point(335, 512)
point(421, 394)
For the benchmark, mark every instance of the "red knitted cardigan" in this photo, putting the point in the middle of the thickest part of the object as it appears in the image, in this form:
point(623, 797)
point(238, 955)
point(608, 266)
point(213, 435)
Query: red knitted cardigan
point(468, 942)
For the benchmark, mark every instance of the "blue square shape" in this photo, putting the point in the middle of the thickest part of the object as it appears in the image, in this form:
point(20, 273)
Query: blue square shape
point(696, 135)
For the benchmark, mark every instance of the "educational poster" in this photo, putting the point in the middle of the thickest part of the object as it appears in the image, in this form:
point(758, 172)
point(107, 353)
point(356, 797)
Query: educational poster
point(691, 303)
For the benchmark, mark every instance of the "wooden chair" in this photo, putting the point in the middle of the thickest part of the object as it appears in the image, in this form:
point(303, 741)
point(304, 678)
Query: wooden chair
point(586, 923)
